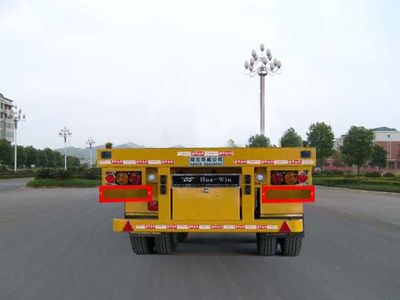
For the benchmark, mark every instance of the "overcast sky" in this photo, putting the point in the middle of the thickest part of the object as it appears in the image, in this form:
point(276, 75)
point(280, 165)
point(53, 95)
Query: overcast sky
point(161, 73)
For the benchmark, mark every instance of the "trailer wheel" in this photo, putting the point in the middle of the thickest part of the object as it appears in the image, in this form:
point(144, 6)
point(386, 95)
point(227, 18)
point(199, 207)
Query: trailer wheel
point(142, 244)
point(266, 244)
point(291, 245)
point(182, 236)
point(164, 243)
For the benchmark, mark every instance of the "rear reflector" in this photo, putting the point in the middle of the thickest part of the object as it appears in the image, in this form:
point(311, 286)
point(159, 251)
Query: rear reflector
point(125, 193)
point(128, 227)
point(285, 228)
point(152, 205)
point(288, 194)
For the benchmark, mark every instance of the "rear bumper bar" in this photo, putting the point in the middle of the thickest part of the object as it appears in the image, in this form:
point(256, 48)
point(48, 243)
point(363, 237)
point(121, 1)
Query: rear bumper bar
point(264, 225)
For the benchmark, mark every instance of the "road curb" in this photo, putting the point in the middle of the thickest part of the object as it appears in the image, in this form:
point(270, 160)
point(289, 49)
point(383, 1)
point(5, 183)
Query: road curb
point(357, 190)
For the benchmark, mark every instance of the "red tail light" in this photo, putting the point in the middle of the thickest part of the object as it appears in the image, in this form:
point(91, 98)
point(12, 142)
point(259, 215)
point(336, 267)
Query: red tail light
point(110, 178)
point(276, 178)
point(152, 205)
point(302, 177)
point(136, 178)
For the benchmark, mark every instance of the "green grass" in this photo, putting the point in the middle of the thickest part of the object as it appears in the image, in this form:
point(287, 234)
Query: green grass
point(72, 182)
point(371, 184)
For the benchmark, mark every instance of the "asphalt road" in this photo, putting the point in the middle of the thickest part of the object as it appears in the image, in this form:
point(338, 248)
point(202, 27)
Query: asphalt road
point(59, 244)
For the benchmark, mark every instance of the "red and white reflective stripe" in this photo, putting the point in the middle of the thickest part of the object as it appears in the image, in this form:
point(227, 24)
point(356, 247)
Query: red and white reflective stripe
point(204, 227)
point(137, 162)
point(204, 153)
point(273, 162)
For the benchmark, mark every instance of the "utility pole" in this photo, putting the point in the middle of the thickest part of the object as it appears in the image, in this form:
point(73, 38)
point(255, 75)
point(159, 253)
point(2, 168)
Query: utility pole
point(16, 116)
point(65, 133)
point(90, 142)
point(262, 65)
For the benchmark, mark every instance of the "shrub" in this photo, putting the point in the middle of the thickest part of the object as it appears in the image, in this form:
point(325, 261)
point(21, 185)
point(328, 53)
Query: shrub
point(372, 174)
point(4, 168)
point(45, 173)
point(349, 175)
point(388, 174)
point(62, 174)
point(329, 173)
point(91, 174)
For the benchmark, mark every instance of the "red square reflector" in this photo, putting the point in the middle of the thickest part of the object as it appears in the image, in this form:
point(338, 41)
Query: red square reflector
point(288, 194)
point(125, 193)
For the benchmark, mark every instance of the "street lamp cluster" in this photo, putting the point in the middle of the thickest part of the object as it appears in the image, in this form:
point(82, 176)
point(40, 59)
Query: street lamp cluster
point(262, 64)
point(15, 116)
point(65, 133)
point(90, 142)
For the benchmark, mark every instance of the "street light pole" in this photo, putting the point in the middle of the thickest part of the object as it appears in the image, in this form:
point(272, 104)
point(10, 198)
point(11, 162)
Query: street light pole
point(65, 133)
point(262, 65)
point(16, 116)
point(90, 142)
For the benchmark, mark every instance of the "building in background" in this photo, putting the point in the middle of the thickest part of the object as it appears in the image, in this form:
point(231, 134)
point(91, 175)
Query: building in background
point(387, 138)
point(6, 126)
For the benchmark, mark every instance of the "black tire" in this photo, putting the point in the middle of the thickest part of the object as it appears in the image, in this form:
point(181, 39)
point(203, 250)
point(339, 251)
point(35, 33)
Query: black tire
point(291, 245)
point(182, 236)
point(165, 243)
point(142, 244)
point(266, 244)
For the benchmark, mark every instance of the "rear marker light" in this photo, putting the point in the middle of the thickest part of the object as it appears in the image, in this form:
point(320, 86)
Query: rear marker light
point(302, 177)
point(291, 178)
point(122, 178)
point(110, 178)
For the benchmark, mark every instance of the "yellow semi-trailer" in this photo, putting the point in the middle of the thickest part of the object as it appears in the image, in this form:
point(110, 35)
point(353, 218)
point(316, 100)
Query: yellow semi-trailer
point(169, 193)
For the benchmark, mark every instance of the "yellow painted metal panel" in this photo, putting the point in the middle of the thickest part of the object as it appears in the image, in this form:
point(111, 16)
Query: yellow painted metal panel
point(281, 208)
point(206, 203)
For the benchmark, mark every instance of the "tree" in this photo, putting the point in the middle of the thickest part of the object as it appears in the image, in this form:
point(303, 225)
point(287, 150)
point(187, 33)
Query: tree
point(378, 157)
point(291, 139)
point(32, 157)
point(337, 159)
point(59, 159)
point(51, 158)
point(73, 161)
point(5, 152)
point(21, 156)
point(259, 140)
point(230, 143)
point(42, 159)
point(320, 135)
point(358, 147)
